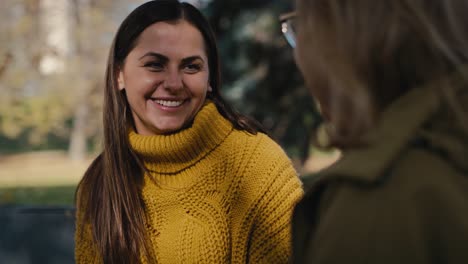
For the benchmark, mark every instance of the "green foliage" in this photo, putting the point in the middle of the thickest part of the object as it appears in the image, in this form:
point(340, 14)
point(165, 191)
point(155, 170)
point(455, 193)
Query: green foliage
point(36, 107)
point(259, 73)
point(62, 195)
point(21, 143)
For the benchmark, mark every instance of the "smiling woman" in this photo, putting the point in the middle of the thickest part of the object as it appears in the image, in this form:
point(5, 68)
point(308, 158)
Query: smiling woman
point(166, 77)
point(182, 177)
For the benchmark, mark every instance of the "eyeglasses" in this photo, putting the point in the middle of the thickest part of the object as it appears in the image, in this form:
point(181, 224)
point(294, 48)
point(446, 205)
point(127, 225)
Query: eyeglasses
point(288, 24)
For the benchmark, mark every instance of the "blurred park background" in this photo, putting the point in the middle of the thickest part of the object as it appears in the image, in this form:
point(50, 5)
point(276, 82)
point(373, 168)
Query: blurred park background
point(52, 61)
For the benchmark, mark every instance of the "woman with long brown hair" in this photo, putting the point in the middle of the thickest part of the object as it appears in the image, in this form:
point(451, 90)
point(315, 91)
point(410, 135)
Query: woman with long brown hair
point(182, 177)
point(391, 78)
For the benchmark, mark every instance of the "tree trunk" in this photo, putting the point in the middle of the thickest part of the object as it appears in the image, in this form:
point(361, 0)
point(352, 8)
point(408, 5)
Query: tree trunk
point(78, 139)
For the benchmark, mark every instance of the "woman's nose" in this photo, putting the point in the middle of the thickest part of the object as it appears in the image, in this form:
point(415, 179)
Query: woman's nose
point(173, 80)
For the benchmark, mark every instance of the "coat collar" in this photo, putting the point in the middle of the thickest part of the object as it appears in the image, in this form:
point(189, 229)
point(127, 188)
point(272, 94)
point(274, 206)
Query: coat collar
point(403, 121)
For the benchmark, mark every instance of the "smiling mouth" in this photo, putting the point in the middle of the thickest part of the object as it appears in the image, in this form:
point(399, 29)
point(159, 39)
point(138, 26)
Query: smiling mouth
point(169, 103)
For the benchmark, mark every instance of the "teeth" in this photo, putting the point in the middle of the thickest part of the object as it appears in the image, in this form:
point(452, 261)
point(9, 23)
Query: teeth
point(169, 103)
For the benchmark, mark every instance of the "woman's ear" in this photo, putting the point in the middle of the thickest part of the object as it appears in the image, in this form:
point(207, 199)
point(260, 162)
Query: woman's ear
point(209, 88)
point(121, 81)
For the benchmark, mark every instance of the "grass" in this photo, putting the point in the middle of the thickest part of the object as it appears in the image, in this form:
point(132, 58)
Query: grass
point(46, 178)
point(57, 195)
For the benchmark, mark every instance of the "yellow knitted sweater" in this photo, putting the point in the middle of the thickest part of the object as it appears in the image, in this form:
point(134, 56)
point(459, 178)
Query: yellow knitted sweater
point(215, 195)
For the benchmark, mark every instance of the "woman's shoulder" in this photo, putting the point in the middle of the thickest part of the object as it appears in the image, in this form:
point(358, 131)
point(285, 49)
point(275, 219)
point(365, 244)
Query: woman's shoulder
point(425, 171)
point(261, 161)
point(416, 172)
point(412, 169)
point(411, 194)
point(264, 166)
point(258, 139)
point(259, 145)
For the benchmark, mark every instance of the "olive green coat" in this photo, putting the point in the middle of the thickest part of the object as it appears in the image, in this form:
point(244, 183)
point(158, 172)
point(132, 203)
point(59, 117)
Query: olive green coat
point(403, 199)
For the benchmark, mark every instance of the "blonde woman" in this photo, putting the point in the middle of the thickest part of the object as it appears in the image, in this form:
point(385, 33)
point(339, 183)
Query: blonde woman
point(391, 78)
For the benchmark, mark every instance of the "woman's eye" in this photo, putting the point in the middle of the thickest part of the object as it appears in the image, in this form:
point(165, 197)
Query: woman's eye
point(154, 66)
point(192, 68)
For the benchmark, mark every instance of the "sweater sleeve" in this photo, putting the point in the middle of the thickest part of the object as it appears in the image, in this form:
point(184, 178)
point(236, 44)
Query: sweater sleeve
point(270, 240)
point(85, 251)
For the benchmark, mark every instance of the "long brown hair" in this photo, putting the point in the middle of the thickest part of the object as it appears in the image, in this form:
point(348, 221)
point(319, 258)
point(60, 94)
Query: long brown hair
point(360, 55)
point(110, 192)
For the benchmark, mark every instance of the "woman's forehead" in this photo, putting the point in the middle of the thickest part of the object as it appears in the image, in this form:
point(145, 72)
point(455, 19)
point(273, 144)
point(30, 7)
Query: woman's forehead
point(178, 37)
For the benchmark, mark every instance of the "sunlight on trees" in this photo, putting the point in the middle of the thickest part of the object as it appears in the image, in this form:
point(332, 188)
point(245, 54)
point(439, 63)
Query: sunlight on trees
point(53, 56)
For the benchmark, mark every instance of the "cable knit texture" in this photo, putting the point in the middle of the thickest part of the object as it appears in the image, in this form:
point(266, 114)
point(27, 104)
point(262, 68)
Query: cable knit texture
point(214, 194)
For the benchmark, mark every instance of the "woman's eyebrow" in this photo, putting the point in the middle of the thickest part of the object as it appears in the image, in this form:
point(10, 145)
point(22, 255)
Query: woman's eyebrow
point(155, 55)
point(191, 59)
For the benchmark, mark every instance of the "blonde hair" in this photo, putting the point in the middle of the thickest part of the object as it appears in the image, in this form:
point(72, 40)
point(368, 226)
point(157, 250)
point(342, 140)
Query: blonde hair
point(360, 55)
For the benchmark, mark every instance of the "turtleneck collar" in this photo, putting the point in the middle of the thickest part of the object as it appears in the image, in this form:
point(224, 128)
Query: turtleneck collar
point(172, 153)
